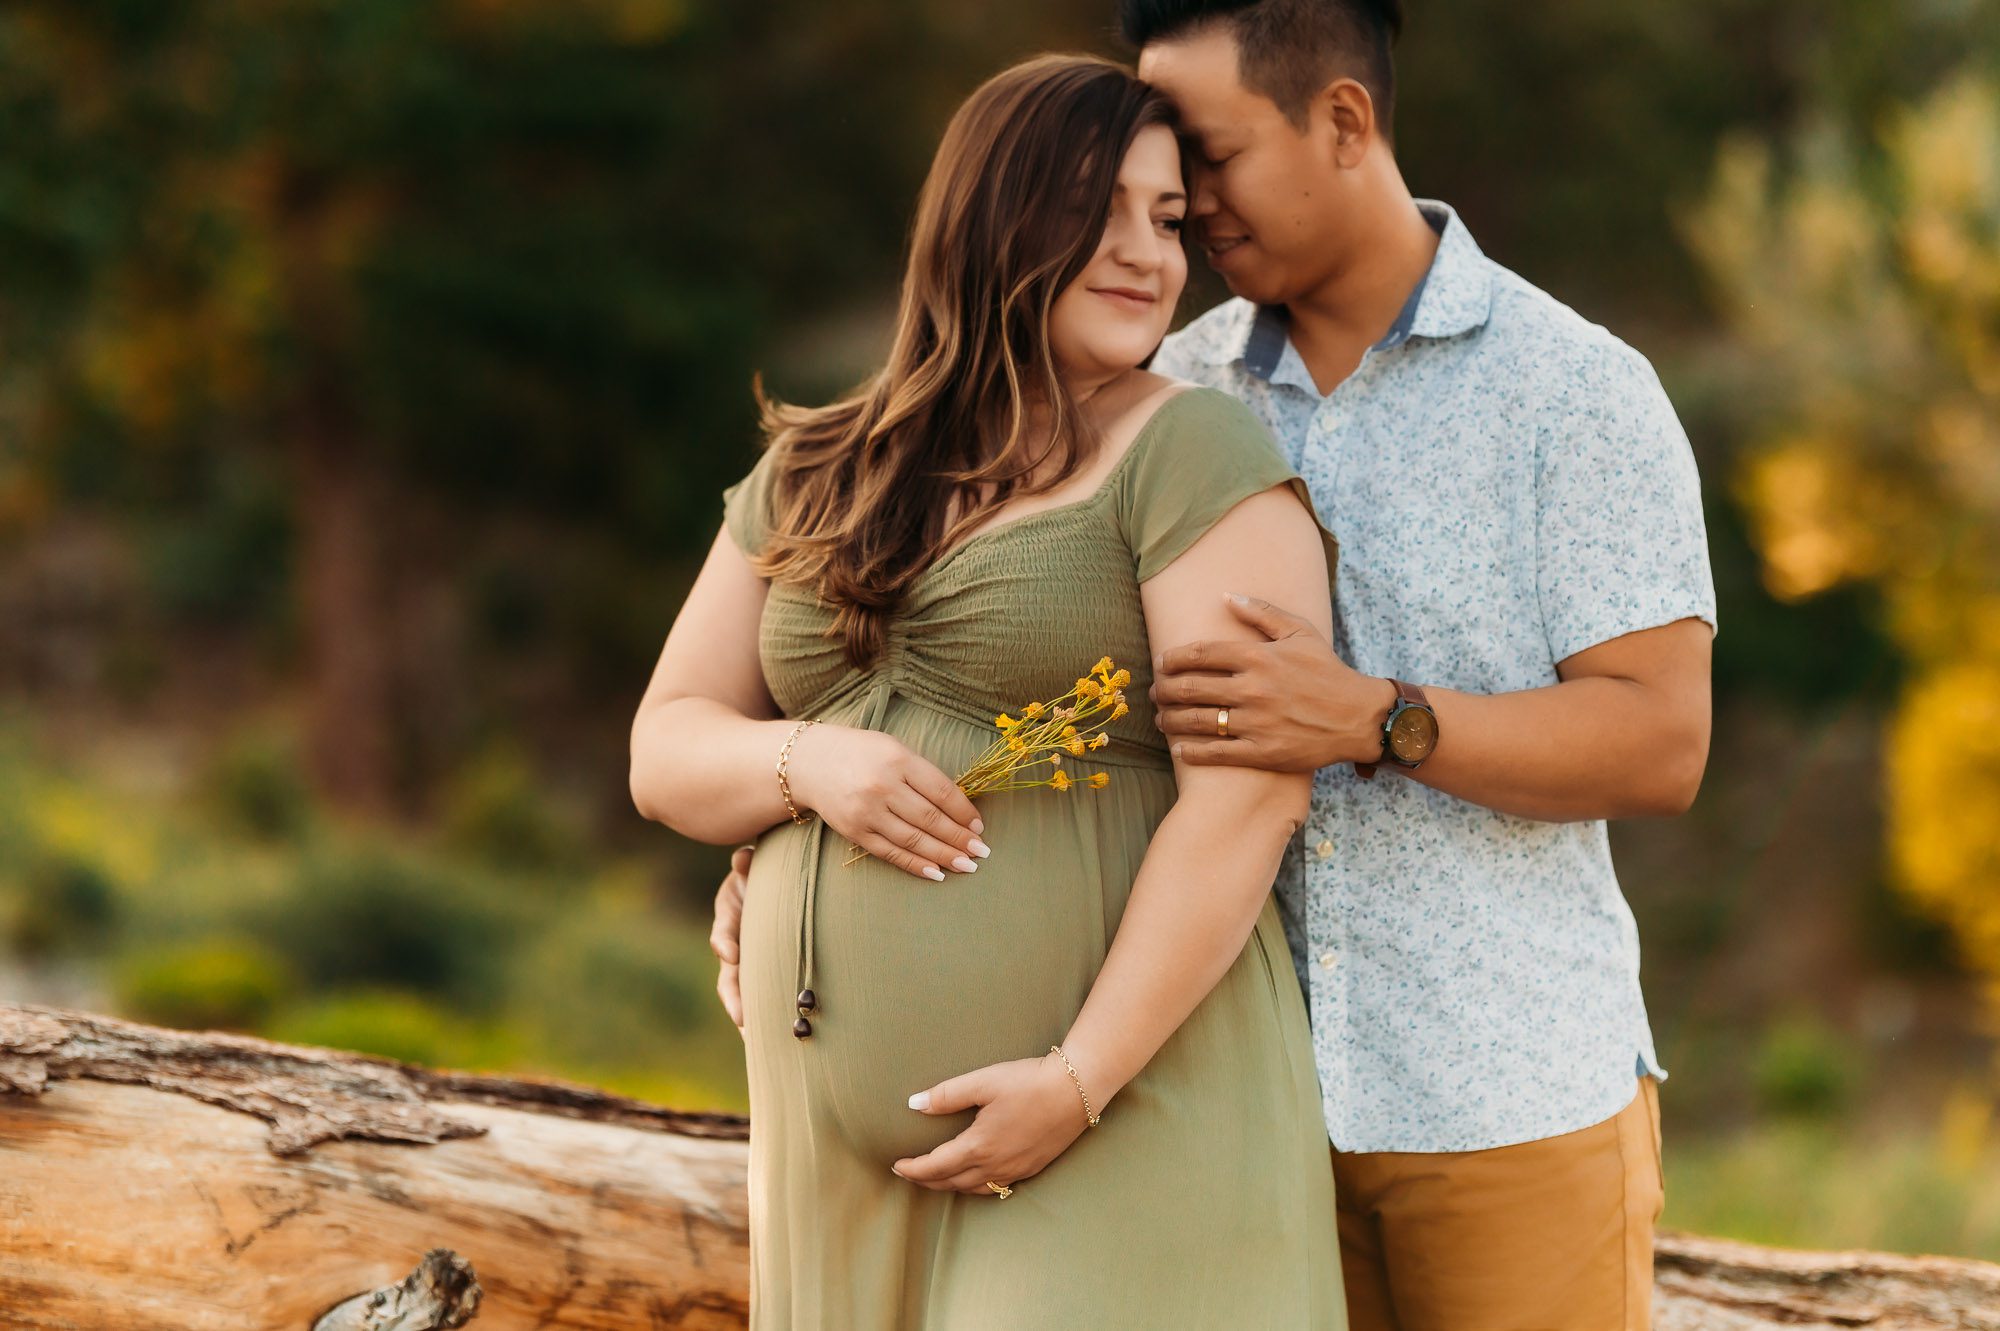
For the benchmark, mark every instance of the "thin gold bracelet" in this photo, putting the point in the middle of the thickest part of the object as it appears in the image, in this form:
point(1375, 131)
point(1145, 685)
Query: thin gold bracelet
point(1088, 1113)
point(784, 781)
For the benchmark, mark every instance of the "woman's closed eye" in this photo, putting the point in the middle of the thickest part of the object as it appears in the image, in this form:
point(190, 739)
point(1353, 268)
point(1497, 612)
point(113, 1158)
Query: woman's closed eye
point(1172, 224)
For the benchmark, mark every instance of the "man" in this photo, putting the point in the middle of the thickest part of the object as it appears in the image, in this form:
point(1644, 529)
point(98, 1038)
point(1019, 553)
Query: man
point(1523, 621)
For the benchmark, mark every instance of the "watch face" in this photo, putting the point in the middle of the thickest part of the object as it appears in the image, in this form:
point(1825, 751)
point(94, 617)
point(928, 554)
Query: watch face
point(1413, 735)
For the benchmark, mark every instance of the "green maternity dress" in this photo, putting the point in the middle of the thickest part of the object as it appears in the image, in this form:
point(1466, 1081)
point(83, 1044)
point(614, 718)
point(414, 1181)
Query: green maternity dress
point(1204, 1202)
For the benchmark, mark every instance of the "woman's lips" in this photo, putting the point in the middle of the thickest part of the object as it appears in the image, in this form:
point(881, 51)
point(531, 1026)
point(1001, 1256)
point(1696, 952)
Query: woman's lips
point(1129, 298)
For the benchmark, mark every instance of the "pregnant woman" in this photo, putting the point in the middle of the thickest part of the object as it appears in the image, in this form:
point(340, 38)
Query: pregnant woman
point(1070, 1016)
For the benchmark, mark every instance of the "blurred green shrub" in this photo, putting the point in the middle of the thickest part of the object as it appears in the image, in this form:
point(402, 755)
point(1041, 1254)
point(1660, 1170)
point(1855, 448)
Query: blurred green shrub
point(223, 983)
point(497, 811)
point(256, 784)
point(616, 984)
point(392, 1024)
point(1805, 1069)
point(62, 906)
point(1825, 1185)
point(365, 915)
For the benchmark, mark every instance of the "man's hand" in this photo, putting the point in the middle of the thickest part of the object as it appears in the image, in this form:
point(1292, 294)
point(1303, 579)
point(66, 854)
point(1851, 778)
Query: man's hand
point(1293, 705)
point(725, 939)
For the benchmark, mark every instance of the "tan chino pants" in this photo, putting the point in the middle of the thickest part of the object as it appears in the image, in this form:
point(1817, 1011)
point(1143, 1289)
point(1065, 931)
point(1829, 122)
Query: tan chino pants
point(1552, 1235)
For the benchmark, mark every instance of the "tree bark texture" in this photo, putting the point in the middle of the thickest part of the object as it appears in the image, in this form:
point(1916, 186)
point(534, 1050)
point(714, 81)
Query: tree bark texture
point(203, 1181)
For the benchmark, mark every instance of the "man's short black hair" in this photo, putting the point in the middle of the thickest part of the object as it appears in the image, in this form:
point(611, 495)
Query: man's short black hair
point(1288, 49)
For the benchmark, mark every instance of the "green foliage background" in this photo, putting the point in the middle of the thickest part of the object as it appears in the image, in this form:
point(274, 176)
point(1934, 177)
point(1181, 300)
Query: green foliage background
point(476, 288)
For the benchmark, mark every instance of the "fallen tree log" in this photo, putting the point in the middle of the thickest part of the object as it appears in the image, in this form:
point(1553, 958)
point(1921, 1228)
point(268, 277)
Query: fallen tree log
point(212, 1182)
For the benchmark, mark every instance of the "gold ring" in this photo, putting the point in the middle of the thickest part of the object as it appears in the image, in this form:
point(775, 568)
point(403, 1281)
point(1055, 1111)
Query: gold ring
point(1222, 722)
point(999, 1189)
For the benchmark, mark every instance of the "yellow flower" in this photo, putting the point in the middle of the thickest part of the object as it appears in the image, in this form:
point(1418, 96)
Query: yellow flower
point(1069, 732)
point(1005, 722)
point(1121, 679)
point(1061, 781)
point(1078, 747)
point(1099, 741)
point(1099, 780)
point(1103, 667)
point(1119, 711)
point(1033, 710)
point(1015, 744)
point(1088, 688)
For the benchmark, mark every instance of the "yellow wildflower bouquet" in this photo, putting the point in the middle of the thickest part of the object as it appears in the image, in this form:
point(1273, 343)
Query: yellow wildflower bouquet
point(1044, 732)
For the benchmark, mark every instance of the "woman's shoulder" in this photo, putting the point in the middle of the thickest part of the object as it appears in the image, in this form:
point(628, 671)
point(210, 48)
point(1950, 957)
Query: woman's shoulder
point(747, 504)
point(1189, 425)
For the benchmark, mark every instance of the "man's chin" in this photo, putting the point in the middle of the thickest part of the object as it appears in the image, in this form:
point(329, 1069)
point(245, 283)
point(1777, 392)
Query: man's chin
point(1249, 284)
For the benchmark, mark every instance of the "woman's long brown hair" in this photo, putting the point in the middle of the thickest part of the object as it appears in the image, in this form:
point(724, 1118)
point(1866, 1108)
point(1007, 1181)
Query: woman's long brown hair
point(1011, 213)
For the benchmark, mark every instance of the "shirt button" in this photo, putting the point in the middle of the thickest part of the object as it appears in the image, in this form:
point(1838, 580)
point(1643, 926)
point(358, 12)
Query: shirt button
point(1326, 960)
point(1324, 850)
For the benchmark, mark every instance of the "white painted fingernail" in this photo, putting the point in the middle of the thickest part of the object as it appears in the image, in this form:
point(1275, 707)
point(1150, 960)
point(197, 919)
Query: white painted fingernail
point(935, 874)
point(963, 865)
point(980, 848)
point(978, 826)
point(921, 1100)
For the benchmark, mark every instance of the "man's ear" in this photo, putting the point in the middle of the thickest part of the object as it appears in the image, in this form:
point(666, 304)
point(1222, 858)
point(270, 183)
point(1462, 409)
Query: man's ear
point(1346, 114)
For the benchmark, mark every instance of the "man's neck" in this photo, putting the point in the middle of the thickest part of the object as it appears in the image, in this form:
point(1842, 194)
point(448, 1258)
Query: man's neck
point(1333, 326)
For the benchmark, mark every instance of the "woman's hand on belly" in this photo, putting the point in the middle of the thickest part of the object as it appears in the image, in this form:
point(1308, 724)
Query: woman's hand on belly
point(887, 799)
point(1029, 1113)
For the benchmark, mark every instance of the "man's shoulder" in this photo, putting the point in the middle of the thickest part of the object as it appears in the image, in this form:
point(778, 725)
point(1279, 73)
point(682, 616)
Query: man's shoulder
point(1553, 346)
point(1210, 341)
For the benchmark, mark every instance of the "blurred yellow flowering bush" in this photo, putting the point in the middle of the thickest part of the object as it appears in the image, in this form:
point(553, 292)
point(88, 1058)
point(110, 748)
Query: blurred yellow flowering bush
point(1865, 288)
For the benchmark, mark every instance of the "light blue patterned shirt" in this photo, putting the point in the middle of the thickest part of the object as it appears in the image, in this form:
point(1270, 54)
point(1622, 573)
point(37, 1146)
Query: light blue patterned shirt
point(1510, 486)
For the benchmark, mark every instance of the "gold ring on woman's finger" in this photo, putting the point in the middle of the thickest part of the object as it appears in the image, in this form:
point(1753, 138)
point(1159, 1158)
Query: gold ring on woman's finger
point(999, 1189)
point(1222, 722)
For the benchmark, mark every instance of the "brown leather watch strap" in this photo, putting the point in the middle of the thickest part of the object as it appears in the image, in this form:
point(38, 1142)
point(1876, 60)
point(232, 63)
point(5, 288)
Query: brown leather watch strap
point(1410, 693)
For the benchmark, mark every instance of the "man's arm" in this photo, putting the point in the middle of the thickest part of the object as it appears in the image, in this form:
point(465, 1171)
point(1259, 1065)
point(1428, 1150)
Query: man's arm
point(1624, 597)
point(1625, 732)
point(1624, 735)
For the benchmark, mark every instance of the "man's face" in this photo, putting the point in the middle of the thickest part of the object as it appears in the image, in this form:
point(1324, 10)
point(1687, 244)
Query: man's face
point(1266, 194)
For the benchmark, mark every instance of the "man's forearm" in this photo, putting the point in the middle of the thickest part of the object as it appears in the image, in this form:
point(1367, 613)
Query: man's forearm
point(1596, 747)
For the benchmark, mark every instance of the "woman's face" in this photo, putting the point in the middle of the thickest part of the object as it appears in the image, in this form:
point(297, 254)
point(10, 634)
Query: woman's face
point(1117, 310)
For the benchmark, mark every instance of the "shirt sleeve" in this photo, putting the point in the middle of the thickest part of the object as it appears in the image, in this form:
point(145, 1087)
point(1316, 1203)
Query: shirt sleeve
point(1621, 543)
point(1199, 457)
point(746, 507)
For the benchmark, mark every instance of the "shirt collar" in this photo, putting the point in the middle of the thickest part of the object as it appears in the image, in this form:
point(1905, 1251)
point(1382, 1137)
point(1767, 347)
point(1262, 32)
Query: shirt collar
point(1455, 295)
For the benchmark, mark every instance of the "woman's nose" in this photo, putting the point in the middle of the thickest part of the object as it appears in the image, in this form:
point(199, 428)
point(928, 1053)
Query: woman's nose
point(1135, 247)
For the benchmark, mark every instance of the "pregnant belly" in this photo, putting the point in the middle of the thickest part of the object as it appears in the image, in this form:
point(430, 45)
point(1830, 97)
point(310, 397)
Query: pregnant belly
point(918, 982)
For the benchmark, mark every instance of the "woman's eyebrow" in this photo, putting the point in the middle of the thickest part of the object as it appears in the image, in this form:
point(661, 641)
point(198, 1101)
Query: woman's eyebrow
point(1119, 189)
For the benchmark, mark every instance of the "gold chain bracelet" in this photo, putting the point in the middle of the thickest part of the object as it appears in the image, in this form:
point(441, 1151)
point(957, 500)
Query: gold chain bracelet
point(1088, 1112)
point(784, 781)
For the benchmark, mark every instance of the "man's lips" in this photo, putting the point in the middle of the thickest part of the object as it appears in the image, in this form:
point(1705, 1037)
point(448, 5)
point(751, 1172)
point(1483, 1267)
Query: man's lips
point(1130, 298)
point(1220, 247)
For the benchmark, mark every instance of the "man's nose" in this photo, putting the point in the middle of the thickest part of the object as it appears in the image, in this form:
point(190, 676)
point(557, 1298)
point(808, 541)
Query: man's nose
point(1206, 202)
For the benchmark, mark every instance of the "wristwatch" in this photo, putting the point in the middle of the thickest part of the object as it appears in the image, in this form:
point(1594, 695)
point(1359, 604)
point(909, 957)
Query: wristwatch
point(1409, 736)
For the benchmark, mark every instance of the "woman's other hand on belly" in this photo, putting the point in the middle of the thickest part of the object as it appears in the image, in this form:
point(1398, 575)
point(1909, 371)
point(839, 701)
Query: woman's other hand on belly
point(1029, 1113)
